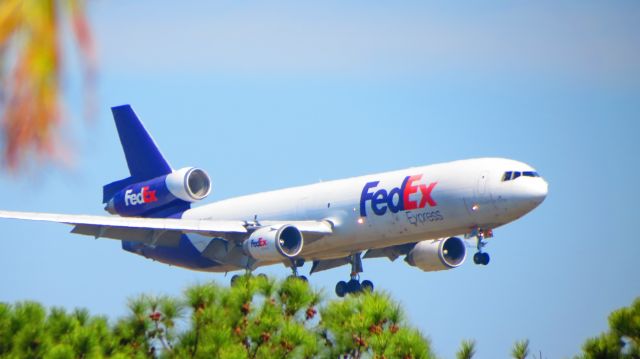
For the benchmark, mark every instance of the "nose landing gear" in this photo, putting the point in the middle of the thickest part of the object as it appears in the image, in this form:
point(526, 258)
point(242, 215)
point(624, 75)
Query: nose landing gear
point(354, 285)
point(482, 257)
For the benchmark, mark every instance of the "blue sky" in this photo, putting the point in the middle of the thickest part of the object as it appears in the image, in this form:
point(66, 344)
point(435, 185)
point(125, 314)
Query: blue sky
point(357, 88)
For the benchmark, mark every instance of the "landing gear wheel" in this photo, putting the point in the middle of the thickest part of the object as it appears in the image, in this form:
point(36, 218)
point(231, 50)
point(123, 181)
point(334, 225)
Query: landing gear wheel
point(353, 286)
point(481, 258)
point(367, 286)
point(485, 258)
point(341, 288)
point(234, 279)
point(303, 278)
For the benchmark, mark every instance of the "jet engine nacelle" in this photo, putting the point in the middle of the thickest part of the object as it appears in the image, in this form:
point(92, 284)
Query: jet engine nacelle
point(439, 254)
point(187, 184)
point(274, 243)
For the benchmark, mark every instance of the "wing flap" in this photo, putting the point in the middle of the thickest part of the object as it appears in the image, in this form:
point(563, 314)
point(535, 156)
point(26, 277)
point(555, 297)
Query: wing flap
point(326, 264)
point(144, 235)
point(392, 252)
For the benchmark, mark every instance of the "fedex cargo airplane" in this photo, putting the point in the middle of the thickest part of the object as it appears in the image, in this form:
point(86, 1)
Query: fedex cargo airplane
point(421, 213)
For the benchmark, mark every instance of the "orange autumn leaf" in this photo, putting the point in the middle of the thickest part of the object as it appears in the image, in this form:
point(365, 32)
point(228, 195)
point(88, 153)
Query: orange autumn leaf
point(30, 43)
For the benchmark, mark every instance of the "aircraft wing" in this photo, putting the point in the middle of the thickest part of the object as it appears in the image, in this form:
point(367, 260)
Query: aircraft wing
point(158, 231)
point(312, 230)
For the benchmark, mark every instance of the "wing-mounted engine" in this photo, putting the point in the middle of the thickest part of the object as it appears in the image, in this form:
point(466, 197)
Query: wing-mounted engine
point(187, 184)
point(274, 243)
point(434, 255)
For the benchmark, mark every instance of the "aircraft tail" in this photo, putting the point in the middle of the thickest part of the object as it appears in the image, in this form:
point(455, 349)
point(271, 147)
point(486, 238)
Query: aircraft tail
point(144, 159)
point(153, 189)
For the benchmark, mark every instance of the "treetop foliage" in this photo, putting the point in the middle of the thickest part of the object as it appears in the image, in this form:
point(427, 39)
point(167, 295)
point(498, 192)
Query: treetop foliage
point(621, 341)
point(257, 317)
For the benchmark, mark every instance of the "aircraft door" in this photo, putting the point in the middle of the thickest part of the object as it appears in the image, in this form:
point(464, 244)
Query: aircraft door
point(480, 197)
point(481, 188)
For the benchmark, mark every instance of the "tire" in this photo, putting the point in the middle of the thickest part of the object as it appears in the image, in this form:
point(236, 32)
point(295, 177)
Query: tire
point(303, 278)
point(353, 286)
point(367, 286)
point(341, 288)
point(234, 279)
point(485, 258)
point(477, 258)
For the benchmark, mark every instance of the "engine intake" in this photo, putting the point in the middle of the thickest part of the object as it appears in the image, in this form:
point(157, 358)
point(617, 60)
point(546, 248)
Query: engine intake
point(439, 254)
point(186, 184)
point(274, 244)
point(189, 184)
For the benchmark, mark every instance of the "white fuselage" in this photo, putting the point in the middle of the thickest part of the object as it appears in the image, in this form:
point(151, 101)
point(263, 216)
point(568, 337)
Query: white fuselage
point(418, 212)
point(436, 201)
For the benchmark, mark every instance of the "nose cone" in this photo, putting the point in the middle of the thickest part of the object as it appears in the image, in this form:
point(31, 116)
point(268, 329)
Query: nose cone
point(537, 191)
point(531, 194)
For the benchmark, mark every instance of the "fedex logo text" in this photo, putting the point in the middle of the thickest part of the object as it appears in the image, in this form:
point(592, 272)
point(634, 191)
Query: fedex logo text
point(144, 196)
point(261, 242)
point(398, 198)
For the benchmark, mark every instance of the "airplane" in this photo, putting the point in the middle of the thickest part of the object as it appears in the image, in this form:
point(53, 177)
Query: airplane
point(422, 213)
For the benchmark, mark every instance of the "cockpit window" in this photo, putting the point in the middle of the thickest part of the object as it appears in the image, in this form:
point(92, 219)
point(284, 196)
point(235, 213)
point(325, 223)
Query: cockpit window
point(511, 175)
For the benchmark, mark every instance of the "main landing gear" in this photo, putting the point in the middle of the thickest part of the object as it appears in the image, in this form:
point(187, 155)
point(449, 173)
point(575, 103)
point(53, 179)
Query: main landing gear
point(236, 277)
point(482, 257)
point(353, 285)
point(295, 263)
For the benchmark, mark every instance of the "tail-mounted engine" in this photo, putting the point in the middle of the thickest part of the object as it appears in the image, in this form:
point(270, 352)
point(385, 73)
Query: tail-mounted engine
point(186, 184)
point(434, 255)
point(274, 244)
